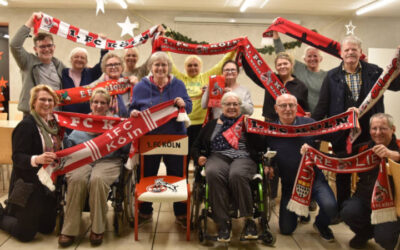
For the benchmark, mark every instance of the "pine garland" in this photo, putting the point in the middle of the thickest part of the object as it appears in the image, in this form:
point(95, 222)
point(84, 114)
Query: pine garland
point(265, 50)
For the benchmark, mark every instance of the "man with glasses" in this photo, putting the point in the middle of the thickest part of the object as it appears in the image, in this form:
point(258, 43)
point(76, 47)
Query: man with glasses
point(287, 161)
point(38, 68)
point(356, 211)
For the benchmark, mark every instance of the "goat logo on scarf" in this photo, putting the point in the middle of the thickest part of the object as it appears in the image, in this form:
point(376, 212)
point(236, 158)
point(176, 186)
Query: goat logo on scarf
point(161, 186)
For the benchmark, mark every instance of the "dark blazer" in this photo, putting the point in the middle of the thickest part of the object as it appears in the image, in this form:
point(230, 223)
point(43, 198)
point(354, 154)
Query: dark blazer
point(26, 141)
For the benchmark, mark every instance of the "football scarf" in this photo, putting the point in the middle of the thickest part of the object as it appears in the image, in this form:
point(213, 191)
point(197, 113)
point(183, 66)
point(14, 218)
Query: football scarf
point(254, 65)
point(83, 93)
point(382, 203)
point(108, 142)
point(75, 34)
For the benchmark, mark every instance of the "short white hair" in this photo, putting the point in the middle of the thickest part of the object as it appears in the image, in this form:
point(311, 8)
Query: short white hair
point(352, 39)
point(77, 50)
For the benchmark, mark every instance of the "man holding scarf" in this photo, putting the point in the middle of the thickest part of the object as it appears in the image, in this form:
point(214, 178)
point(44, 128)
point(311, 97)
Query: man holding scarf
point(347, 86)
point(286, 107)
point(356, 212)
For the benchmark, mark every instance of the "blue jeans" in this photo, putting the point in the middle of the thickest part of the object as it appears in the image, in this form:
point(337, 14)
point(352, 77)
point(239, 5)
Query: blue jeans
point(356, 213)
point(321, 193)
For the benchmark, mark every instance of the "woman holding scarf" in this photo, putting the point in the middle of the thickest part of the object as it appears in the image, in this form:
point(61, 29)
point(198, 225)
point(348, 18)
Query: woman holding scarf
point(229, 170)
point(230, 70)
point(284, 68)
point(93, 180)
point(31, 206)
point(112, 67)
point(160, 86)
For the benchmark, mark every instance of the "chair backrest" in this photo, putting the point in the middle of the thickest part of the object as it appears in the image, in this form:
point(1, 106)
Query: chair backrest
point(163, 145)
point(5, 142)
point(3, 116)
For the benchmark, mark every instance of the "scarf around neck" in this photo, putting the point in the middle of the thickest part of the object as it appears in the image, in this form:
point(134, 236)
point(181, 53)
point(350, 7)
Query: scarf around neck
point(219, 143)
point(47, 129)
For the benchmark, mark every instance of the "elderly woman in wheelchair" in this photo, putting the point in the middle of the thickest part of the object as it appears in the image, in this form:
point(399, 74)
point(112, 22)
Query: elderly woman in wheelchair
point(93, 179)
point(229, 169)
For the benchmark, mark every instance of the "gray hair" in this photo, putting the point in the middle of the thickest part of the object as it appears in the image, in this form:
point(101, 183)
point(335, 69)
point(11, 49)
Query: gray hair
point(308, 47)
point(352, 39)
point(388, 118)
point(108, 56)
point(285, 95)
point(77, 50)
point(159, 56)
point(231, 94)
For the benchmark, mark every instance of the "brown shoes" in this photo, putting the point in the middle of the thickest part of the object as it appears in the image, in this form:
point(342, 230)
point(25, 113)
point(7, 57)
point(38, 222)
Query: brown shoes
point(65, 240)
point(95, 239)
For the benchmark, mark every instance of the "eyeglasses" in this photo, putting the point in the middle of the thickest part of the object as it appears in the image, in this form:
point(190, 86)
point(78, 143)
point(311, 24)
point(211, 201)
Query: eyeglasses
point(229, 70)
point(234, 104)
point(383, 129)
point(113, 65)
point(285, 105)
point(47, 46)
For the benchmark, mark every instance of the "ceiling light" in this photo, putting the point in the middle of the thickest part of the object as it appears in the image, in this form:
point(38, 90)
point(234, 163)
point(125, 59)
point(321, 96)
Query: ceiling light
point(122, 3)
point(263, 4)
point(373, 6)
point(4, 2)
point(192, 19)
point(245, 5)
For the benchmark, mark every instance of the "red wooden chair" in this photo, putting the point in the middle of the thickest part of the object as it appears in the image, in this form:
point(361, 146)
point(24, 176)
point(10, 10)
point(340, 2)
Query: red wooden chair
point(163, 188)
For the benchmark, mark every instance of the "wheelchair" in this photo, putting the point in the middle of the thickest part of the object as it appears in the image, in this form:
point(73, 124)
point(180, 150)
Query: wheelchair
point(201, 208)
point(121, 197)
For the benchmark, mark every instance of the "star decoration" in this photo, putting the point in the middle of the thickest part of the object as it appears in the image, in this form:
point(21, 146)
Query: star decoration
point(350, 28)
point(100, 6)
point(3, 82)
point(127, 27)
point(1, 55)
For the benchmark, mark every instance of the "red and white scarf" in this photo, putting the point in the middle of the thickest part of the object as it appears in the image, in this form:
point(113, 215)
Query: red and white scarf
point(305, 35)
point(111, 140)
point(83, 93)
point(382, 203)
point(346, 120)
point(253, 63)
point(70, 32)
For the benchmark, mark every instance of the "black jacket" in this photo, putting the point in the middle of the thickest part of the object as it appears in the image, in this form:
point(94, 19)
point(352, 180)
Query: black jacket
point(335, 98)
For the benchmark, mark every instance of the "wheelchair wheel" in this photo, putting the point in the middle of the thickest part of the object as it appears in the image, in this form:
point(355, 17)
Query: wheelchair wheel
point(195, 204)
point(268, 206)
point(59, 222)
point(202, 226)
point(118, 222)
point(60, 197)
point(129, 189)
point(268, 238)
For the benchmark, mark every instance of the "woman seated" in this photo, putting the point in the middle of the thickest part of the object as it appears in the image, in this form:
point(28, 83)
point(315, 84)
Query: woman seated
point(284, 69)
point(229, 170)
point(160, 87)
point(93, 179)
point(31, 207)
point(230, 69)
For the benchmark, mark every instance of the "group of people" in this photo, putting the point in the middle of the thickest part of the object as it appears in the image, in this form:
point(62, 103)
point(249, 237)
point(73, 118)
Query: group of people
point(229, 169)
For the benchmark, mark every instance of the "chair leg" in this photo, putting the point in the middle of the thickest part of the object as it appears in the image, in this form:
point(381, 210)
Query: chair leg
point(188, 214)
point(136, 218)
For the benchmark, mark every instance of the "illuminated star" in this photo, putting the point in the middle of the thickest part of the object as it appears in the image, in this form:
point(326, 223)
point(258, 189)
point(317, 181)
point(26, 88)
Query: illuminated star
point(3, 82)
point(100, 6)
point(350, 28)
point(127, 27)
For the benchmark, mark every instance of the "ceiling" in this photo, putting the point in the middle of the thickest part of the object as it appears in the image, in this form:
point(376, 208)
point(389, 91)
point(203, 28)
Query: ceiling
point(311, 7)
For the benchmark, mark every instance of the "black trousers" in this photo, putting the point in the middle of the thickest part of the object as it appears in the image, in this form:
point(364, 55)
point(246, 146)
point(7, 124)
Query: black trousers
point(39, 215)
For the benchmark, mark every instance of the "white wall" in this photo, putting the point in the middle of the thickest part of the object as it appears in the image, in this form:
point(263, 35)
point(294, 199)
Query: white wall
point(382, 57)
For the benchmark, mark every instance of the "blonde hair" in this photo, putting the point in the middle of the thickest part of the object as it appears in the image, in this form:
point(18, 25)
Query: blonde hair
point(193, 57)
point(101, 91)
point(35, 91)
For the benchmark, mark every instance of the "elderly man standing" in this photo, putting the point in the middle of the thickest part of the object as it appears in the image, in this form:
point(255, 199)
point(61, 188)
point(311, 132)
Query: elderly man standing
point(347, 86)
point(356, 212)
point(41, 68)
point(308, 72)
point(286, 107)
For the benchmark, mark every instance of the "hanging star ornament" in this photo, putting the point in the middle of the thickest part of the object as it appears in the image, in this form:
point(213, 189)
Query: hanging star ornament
point(100, 6)
point(127, 27)
point(3, 82)
point(350, 28)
